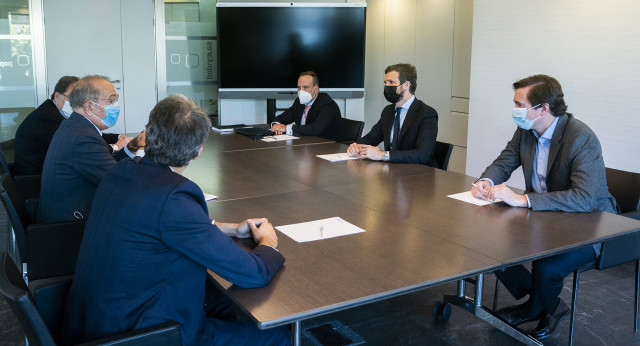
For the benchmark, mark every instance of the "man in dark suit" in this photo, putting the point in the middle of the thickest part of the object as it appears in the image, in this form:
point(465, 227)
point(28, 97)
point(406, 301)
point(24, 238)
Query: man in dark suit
point(312, 113)
point(36, 131)
point(408, 127)
point(562, 162)
point(149, 241)
point(78, 156)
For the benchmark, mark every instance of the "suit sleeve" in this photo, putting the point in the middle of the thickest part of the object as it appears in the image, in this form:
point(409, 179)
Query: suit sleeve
point(110, 138)
point(188, 230)
point(92, 159)
point(327, 113)
point(508, 161)
point(586, 169)
point(375, 135)
point(424, 143)
point(287, 117)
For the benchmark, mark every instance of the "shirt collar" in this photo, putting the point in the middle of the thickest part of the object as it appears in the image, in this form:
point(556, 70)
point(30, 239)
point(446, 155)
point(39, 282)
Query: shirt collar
point(407, 104)
point(548, 133)
point(90, 122)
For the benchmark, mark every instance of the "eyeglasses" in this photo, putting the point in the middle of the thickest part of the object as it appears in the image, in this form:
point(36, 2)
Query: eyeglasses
point(113, 99)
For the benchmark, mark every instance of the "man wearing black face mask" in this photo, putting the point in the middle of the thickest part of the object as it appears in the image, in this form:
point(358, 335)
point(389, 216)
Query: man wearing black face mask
point(408, 127)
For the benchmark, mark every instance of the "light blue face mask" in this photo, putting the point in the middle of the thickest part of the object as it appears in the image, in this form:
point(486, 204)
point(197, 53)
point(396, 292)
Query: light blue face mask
point(520, 117)
point(112, 112)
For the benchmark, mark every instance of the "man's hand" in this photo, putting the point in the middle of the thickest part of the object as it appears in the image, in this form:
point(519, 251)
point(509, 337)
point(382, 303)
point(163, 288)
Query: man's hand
point(122, 141)
point(480, 189)
point(369, 152)
point(243, 229)
point(265, 234)
point(279, 129)
point(137, 142)
point(353, 149)
point(507, 195)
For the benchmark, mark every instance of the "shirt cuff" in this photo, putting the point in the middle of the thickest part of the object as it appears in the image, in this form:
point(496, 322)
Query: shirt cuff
point(290, 129)
point(487, 179)
point(140, 152)
point(528, 201)
point(128, 152)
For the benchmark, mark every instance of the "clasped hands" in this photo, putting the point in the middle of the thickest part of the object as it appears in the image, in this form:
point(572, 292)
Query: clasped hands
point(482, 189)
point(365, 151)
point(279, 129)
point(258, 228)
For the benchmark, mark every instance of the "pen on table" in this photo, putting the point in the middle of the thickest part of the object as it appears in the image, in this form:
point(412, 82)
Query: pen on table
point(322, 232)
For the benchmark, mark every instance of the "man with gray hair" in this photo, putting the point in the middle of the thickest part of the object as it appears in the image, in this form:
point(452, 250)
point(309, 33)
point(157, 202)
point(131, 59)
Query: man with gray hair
point(78, 156)
point(149, 242)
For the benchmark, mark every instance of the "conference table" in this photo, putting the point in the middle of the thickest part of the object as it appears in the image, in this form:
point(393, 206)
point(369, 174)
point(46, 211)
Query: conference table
point(416, 237)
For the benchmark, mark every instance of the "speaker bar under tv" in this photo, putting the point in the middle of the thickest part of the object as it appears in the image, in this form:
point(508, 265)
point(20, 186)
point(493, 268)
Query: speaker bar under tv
point(263, 47)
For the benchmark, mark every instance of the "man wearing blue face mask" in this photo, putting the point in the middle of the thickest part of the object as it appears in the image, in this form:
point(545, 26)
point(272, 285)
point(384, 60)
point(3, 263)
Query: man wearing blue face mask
point(312, 114)
point(36, 131)
point(562, 162)
point(78, 156)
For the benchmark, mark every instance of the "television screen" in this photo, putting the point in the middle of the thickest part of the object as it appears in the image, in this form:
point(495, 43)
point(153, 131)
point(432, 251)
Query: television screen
point(263, 47)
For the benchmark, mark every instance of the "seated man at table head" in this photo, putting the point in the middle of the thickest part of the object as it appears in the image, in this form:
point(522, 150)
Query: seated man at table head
point(36, 131)
point(149, 242)
point(408, 127)
point(78, 156)
point(312, 114)
point(562, 162)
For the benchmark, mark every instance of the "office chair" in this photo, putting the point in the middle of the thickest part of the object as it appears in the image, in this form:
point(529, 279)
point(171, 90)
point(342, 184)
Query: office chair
point(351, 130)
point(28, 185)
point(40, 311)
point(4, 165)
point(442, 153)
point(49, 249)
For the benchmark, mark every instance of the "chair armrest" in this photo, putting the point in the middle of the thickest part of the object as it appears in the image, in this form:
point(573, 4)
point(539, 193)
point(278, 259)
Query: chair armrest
point(28, 185)
point(52, 248)
point(165, 334)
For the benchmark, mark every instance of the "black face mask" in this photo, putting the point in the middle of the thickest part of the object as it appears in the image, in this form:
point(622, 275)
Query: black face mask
point(390, 93)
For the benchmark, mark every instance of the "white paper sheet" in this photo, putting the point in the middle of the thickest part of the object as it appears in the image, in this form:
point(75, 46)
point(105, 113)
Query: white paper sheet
point(468, 197)
point(278, 138)
point(319, 229)
point(209, 197)
point(337, 157)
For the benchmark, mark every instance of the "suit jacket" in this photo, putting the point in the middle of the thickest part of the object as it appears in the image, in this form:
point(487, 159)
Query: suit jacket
point(145, 253)
point(34, 136)
point(576, 179)
point(323, 119)
point(417, 136)
point(77, 160)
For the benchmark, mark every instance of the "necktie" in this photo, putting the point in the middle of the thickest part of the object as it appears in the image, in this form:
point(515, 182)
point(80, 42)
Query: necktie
point(304, 115)
point(396, 129)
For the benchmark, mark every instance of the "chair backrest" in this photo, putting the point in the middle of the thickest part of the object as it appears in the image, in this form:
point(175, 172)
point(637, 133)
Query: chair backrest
point(442, 153)
point(22, 303)
point(351, 130)
point(625, 188)
point(16, 209)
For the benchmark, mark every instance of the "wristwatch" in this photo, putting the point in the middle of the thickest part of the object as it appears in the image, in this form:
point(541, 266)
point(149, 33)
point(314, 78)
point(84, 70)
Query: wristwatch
point(114, 147)
point(385, 156)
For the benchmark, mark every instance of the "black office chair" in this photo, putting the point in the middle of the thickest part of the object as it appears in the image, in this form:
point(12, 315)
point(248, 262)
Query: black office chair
point(351, 130)
point(625, 187)
point(40, 311)
point(49, 249)
point(5, 167)
point(442, 153)
point(28, 185)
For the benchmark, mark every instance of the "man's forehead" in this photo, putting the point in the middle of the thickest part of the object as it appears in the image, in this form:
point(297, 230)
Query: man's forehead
point(521, 95)
point(305, 80)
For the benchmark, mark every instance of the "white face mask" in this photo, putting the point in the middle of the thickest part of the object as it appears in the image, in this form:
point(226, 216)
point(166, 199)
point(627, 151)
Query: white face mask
point(66, 110)
point(304, 96)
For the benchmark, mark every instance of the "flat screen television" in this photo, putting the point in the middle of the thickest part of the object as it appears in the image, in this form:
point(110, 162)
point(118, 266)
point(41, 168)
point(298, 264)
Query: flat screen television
point(263, 47)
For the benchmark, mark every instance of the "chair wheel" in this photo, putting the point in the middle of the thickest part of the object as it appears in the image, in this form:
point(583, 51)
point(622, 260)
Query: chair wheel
point(446, 312)
point(437, 310)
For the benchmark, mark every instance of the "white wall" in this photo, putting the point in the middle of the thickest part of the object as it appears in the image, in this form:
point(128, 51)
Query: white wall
point(590, 46)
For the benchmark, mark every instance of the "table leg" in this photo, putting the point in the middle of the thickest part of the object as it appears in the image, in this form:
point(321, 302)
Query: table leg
point(295, 333)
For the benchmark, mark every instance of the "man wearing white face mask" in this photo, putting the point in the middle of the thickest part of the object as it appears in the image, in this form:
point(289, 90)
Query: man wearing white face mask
point(312, 113)
point(562, 162)
point(36, 131)
point(78, 157)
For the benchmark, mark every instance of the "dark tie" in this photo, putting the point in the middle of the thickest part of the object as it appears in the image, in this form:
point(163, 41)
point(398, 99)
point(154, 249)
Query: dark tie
point(396, 129)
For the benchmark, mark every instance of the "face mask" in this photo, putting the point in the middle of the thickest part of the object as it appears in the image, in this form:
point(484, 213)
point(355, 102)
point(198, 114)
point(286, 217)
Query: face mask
point(520, 117)
point(390, 93)
point(112, 112)
point(304, 96)
point(66, 110)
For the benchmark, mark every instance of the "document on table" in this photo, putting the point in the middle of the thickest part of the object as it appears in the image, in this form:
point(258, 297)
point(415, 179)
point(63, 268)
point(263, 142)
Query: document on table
point(337, 157)
point(468, 197)
point(278, 138)
point(209, 197)
point(319, 229)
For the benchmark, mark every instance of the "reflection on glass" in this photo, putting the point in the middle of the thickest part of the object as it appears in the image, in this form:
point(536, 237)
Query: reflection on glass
point(16, 67)
point(191, 46)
